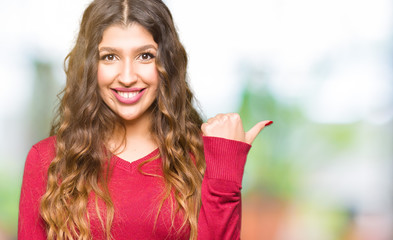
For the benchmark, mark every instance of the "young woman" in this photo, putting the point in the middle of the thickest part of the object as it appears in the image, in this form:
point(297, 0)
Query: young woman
point(129, 156)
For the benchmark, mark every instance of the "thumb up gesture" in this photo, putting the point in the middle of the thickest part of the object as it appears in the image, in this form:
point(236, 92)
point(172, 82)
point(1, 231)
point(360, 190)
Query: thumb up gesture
point(230, 126)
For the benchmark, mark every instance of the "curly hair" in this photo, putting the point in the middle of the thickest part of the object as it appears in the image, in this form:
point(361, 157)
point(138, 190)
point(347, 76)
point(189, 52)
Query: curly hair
point(84, 124)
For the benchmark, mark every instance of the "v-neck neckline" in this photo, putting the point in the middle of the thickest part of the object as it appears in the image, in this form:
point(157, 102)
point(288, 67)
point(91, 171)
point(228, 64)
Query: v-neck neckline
point(131, 166)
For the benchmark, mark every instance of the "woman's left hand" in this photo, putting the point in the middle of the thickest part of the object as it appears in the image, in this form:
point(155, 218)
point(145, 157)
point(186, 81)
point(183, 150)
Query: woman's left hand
point(230, 126)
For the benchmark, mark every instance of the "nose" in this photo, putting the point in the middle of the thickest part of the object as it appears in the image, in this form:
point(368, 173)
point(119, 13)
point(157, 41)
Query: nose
point(128, 74)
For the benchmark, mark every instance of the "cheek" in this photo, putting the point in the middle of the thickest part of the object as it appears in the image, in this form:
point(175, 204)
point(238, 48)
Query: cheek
point(104, 75)
point(149, 74)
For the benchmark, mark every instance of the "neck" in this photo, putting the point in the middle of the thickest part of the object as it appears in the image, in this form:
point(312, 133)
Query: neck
point(136, 140)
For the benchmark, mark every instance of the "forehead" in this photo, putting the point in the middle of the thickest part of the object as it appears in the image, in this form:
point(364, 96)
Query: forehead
point(126, 36)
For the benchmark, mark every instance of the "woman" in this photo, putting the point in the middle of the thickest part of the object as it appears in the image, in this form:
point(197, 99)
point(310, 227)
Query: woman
point(128, 156)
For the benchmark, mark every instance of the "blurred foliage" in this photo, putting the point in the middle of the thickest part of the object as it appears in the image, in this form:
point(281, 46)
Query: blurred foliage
point(270, 162)
point(9, 202)
point(43, 100)
point(285, 156)
point(39, 115)
point(280, 154)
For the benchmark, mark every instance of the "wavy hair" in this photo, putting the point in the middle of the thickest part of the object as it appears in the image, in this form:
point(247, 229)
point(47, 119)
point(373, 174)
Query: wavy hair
point(84, 124)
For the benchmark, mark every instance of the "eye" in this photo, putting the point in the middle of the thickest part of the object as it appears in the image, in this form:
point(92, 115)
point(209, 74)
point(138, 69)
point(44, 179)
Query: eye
point(109, 57)
point(146, 57)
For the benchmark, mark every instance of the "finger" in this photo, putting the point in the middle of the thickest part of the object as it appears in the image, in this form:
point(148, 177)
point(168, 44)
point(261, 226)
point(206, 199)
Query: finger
point(254, 131)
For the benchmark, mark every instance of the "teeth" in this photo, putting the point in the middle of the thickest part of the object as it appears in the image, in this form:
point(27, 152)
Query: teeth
point(127, 94)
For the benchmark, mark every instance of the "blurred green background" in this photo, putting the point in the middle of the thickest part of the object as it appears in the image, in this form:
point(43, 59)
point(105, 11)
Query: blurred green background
point(321, 70)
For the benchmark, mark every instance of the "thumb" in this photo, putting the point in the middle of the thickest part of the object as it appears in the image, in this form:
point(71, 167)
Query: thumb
point(254, 131)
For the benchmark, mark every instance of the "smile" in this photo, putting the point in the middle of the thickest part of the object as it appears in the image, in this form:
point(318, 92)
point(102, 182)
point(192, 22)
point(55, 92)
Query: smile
point(128, 96)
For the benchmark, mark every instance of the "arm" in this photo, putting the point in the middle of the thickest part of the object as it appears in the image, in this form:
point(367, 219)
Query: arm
point(30, 224)
point(220, 214)
point(226, 145)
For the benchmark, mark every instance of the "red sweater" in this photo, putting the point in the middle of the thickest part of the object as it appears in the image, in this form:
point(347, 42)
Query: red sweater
point(135, 196)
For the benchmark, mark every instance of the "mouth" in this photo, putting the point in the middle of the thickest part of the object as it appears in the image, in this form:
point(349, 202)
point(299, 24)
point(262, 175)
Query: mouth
point(128, 92)
point(128, 95)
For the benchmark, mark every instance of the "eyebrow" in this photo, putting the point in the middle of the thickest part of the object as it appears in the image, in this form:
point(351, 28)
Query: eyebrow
point(138, 49)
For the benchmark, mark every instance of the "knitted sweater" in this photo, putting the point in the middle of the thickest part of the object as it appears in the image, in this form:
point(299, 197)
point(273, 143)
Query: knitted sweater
point(136, 196)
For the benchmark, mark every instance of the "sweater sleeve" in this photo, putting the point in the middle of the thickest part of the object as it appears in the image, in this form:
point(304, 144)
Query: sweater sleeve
point(220, 214)
point(30, 224)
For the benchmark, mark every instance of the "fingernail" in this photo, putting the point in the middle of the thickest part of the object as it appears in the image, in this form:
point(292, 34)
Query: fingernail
point(268, 123)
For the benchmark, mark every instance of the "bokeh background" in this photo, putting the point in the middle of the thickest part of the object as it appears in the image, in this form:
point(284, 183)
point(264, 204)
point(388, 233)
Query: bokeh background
point(322, 70)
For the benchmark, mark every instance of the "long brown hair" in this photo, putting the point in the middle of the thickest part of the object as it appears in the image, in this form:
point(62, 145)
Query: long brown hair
point(84, 124)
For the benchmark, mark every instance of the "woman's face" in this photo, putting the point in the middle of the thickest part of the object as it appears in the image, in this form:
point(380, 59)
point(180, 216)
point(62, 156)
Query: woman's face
point(127, 74)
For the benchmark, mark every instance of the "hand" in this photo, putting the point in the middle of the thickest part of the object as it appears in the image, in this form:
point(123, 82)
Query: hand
point(230, 126)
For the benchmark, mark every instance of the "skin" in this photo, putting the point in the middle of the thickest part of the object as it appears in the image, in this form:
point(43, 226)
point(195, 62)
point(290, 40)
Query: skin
point(230, 126)
point(127, 60)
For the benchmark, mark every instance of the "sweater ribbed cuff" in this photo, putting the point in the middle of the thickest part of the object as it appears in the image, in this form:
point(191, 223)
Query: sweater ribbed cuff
point(225, 159)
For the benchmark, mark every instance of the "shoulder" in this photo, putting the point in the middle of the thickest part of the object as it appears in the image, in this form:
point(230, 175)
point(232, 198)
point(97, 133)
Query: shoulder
point(46, 143)
point(45, 150)
point(46, 146)
point(38, 160)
